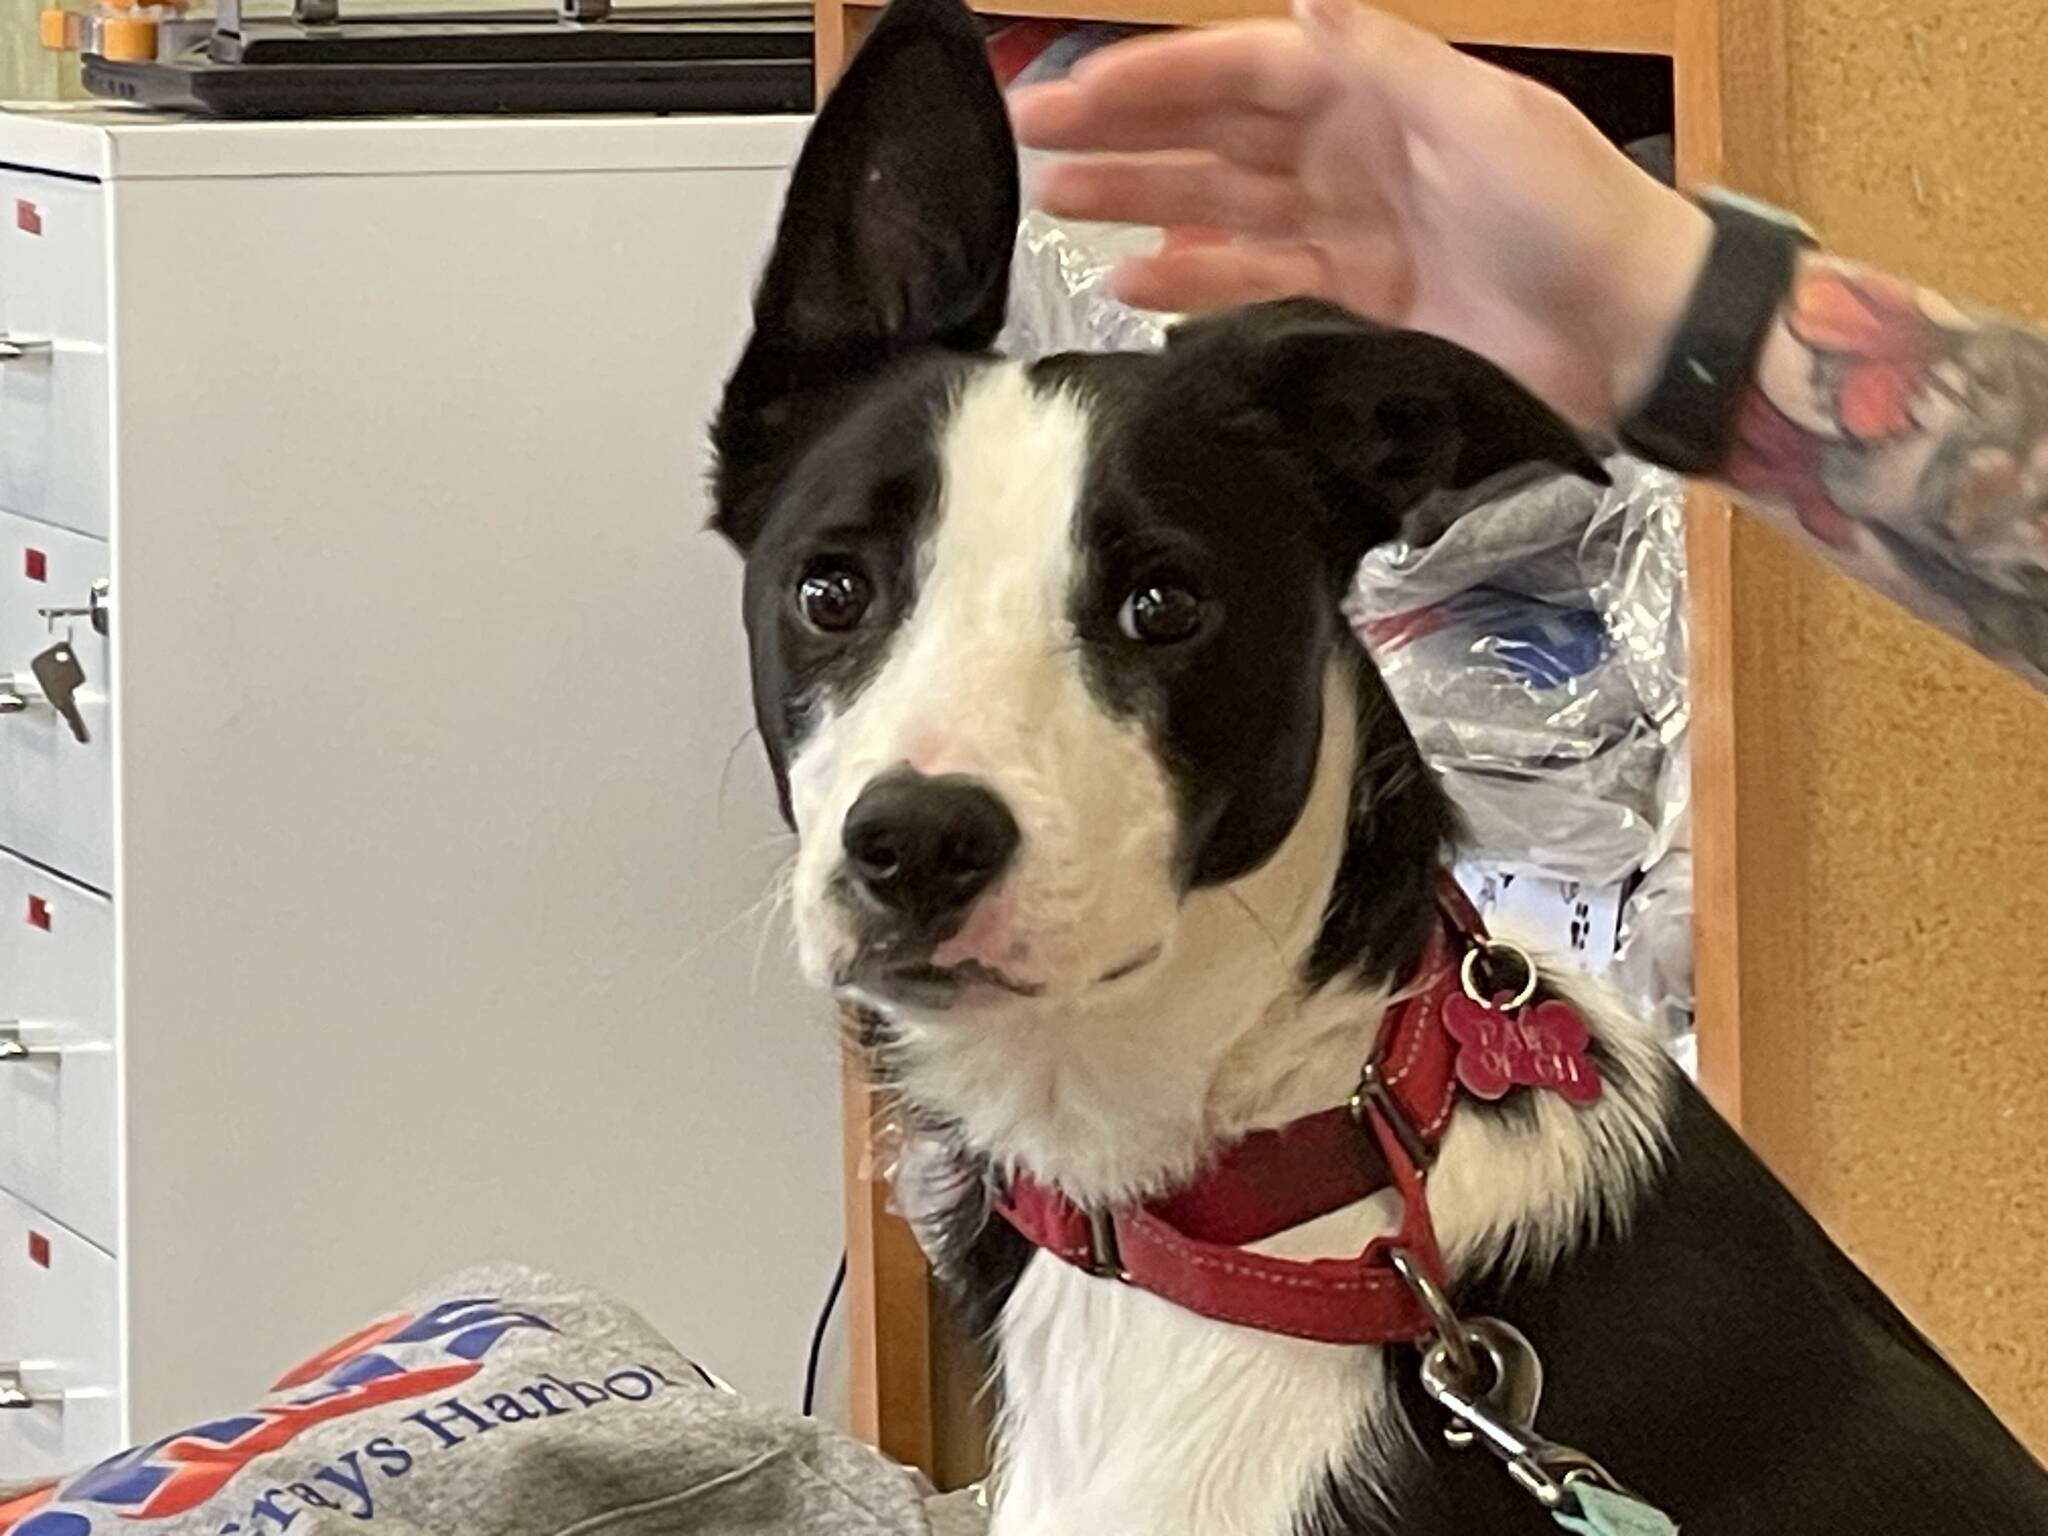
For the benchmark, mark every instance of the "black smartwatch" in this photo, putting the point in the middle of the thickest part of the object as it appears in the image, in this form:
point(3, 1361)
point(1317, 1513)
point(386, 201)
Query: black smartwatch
point(1687, 421)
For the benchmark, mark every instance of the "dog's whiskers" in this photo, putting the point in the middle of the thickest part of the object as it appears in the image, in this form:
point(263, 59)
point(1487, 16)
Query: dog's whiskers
point(776, 899)
point(751, 733)
point(780, 884)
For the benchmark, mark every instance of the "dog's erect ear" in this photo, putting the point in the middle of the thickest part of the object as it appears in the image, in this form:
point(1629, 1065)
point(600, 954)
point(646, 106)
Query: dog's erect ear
point(896, 234)
point(902, 212)
point(1385, 418)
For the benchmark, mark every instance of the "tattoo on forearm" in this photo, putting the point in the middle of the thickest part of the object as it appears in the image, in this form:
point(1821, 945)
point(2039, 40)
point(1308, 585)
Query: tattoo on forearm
point(1910, 439)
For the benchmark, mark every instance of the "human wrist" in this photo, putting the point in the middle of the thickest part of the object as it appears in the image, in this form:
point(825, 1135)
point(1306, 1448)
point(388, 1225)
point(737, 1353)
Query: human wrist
point(1688, 418)
point(1653, 266)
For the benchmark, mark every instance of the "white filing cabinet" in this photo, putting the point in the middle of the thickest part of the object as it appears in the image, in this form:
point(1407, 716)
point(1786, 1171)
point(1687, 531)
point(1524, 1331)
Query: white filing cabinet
point(400, 909)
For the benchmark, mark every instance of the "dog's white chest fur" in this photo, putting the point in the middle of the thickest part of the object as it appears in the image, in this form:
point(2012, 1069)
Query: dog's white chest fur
point(1125, 1415)
point(1130, 1417)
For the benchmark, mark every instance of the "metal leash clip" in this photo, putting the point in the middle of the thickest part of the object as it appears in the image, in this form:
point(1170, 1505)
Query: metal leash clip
point(1490, 1378)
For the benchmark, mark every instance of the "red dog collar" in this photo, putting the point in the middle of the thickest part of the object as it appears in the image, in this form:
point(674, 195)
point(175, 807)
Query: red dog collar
point(1187, 1246)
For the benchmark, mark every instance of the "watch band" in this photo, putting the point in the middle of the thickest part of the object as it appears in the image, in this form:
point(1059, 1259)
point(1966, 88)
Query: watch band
point(1687, 421)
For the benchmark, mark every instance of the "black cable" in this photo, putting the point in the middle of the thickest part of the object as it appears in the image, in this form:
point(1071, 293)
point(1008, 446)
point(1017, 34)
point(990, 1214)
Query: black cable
point(818, 1337)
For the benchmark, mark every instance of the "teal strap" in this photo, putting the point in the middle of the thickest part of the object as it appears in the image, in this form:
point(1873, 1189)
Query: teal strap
point(1602, 1513)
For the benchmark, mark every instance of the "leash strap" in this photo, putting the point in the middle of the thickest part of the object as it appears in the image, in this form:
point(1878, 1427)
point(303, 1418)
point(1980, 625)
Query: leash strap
point(1603, 1512)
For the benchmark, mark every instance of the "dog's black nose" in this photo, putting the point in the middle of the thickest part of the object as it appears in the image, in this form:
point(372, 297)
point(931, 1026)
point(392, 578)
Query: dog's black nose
point(924, 848)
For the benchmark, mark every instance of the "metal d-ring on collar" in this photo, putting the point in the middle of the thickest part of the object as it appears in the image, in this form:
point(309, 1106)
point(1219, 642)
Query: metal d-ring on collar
point(1105, 1254)
point(1374, 1092)
point(1468, 974)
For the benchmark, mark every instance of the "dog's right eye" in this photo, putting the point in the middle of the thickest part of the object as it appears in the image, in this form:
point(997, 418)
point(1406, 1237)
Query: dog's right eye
point(1160, 613)
point(832, 596)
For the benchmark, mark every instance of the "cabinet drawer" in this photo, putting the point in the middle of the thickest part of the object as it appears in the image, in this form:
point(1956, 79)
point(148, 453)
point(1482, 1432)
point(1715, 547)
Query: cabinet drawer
point(56, 793)
point(60, 1325)
point(53, 301)
point(58, 1091)
point(53, 434)
point(53, 256)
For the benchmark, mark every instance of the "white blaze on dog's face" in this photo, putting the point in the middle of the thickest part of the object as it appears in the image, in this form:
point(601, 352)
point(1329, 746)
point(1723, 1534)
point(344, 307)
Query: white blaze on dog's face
point(973, 820)
point(1041, 652)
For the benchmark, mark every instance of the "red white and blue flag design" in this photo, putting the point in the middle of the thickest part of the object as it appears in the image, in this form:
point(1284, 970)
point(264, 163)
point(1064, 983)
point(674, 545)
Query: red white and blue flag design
point(408, 1356)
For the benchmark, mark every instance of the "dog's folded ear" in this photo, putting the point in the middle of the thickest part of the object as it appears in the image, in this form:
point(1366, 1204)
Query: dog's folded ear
point(1383, 418)
point(896, 235)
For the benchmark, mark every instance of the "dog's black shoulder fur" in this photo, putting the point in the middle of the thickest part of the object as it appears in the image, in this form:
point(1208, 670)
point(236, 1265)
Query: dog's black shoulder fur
point(1723, 1357)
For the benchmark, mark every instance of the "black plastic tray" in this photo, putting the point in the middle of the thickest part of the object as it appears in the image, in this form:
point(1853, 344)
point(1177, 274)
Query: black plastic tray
point(508, 38)
point(527, 86)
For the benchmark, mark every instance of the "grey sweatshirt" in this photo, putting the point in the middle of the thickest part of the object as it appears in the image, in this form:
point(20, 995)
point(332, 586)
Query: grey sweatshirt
point(499, 1402)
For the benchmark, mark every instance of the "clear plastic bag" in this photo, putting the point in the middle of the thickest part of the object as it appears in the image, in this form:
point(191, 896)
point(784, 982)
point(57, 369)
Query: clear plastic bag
point(1059, 276)
point(1059, 290)
point(1536, 643)
point(1537, 647)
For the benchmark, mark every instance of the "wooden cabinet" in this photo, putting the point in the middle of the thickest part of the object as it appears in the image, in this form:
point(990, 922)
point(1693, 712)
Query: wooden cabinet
point(1867, 809)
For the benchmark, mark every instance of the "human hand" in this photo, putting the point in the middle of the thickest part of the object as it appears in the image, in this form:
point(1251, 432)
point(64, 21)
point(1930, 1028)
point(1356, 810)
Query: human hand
point(1348, 155)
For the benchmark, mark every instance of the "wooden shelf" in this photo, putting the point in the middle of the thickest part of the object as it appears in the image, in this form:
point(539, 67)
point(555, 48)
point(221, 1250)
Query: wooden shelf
point(1588, 26)
point(1616, 26)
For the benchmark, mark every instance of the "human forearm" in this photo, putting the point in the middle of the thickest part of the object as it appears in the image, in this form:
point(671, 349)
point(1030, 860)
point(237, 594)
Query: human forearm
point(1908, 441)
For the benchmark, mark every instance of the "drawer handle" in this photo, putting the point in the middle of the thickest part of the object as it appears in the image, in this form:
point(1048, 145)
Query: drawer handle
point(14, 349)
point(19, 694)
point(17, 1046)
point(17, 1395)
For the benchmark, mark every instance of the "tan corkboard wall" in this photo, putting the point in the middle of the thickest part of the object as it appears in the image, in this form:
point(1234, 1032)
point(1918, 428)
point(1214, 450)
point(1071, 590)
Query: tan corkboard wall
point(1914, 1111)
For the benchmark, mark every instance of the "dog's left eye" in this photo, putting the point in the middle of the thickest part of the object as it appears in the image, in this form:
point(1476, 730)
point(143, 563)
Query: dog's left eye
point(833, 597)
point(1160, 613)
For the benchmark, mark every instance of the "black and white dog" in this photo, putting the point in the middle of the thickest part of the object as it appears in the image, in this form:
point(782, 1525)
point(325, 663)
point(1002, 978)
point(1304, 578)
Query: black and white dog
point(1112, 833)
